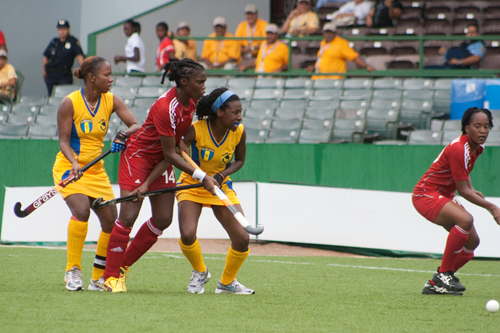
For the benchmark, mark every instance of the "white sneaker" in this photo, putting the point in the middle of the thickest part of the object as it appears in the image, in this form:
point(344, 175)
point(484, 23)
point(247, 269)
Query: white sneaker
point(73, 279)
point(197, 282)
point(233, 288)
point(96, 285)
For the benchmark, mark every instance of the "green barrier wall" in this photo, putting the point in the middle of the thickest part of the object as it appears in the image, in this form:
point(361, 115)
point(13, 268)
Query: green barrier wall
point(373, 167)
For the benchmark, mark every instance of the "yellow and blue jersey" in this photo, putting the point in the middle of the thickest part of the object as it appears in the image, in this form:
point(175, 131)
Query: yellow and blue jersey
point(212, 157)
point(87, 140)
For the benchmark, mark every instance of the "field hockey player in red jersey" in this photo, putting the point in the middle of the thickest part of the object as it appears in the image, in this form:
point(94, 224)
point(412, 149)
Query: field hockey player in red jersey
point(434, 198)
point(147, 163)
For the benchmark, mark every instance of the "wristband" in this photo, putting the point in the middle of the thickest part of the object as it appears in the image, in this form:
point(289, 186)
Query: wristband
point(199, 175)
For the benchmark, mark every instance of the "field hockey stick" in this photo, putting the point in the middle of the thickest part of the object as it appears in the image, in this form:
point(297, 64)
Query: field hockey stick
point(54, 190)
point(225, 200)
point(98, 203)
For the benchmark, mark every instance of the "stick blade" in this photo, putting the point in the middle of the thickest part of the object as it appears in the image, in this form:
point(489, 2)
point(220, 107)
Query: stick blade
point(18, 211)
point(255, 230)
point(97, 202)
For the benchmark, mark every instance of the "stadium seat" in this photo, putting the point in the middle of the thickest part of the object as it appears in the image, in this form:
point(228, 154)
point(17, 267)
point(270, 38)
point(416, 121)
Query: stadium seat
point(42, 132)
point(348, 130)
point(387, 83)
point(415, 112)
point(256, 135)
point(150, 92)
point(436, 125)
point(32, 100)
point(20, 119)
point(259, 113)
point(319, 113)
point(384, 104)
point(128, 81)
point(267, 93)
point(424, 137)
point(356, 94)
point(322, 104)
point(382, 122)
point(243, 93)
point(327, 84)
point(153, 81)
point(350, 113)
point(46, 119)
point(491, 61)
point(387, 94)
point(325, 94)
point(314, 136)
point(298, 83)
point(289, 113)
point(269, 82)
point(63, 90)
point(357, 83)
point(55, 100)
point(449, 136)
point(256, 123)
point(214, 82)
point(293, 104)
point(13, 131)
point(241, 83)
point(381, 31)
point(493, 138)
point(416, 83)
point(317, 124)
point(282, 136)
point(452, 125)
point(296, 93)
point(124, 92)
point(433, 60)
point(286, 124)
point(353, 104)
point(424, 94)
point(144, 103)
point(48, 110)
point(401, 64)
point(28, 110)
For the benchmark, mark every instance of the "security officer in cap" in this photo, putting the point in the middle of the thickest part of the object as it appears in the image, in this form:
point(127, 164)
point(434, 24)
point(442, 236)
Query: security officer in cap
point(59, 56)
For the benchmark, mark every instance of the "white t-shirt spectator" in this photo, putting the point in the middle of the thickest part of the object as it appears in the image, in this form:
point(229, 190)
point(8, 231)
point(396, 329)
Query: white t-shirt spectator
point(360, 11)
point(135, 41)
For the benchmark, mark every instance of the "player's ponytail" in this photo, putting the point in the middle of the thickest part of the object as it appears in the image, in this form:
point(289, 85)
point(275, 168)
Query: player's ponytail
point(89, 65)
point(176, 69)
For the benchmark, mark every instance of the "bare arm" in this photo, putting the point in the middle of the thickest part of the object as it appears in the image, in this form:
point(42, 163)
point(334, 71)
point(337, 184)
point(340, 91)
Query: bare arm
point(135, 58)
point(10, 83)
point(80, 58)
point(465, 189)
point(361, 64)
point(44, 63)
point(64, 125)
point(124, 113)
point(369, 18)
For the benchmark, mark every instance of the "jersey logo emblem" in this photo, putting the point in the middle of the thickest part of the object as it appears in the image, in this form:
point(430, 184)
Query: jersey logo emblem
point(86, 126)
point(226, 157)
point(207, 154)
point(103, 125)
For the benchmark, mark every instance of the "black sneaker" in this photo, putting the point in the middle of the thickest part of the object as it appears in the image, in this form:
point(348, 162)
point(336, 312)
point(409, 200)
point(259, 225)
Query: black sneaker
point(448, 280)
point(434, 289)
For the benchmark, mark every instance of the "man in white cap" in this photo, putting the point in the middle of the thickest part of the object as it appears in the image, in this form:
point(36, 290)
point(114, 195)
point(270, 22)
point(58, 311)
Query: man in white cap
point(222, 54)
point(273, 54)
point(7, 78)
point(332, 55)
point(301, 21)
point(252, 27)
point(185, 48)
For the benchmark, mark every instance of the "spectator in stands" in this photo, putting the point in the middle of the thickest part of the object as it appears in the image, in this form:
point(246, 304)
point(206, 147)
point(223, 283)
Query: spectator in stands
point(7, 78)
point(384, 13)
point(166, 49)
point(224, 54)
point(332, 55)
point(59, 56)
point(135, 52)
point(301, 21)
point(467, 55)
point(185, 48)
point(253, 26)
point(352, 13)
point(321, 3)
point(273, 54)
point(3, 44)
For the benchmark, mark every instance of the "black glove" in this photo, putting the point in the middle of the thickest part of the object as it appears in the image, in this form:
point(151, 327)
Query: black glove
point(219, 177)
point(118, 142)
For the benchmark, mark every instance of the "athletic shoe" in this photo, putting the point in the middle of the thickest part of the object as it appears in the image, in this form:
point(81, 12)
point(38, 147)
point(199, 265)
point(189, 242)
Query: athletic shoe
point(114, 285)
point(96, 285)
point(434, 289)
point(124, 271)
point(233, 288)
point(197, 282)
point(73, 279)
point(448, 280)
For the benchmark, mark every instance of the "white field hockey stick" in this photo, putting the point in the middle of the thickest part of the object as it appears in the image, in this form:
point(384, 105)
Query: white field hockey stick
point(225, 200)
point(54, 190)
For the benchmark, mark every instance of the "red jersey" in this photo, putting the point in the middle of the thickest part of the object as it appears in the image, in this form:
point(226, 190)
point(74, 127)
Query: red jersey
point(166, 117)
point(165, 46)
point(455, 163)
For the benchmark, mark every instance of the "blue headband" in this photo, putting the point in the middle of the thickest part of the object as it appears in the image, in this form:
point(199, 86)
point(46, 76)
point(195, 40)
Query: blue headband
point(221, 100)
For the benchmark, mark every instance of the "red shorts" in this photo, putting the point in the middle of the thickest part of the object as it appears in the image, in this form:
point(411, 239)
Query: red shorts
point(430, 204)
point(133, 172)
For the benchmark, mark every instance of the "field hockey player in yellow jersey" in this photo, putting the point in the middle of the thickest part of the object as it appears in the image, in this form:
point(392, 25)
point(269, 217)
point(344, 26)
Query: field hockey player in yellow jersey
point(82, 121)
point(215, 138)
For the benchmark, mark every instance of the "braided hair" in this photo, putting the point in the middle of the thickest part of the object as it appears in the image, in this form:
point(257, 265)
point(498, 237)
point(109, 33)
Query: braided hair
point(468, 115)
point(177, 69)
point(204, 107)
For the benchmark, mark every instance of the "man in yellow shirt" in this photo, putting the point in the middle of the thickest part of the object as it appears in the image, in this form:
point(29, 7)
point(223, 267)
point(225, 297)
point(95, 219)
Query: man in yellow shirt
point(273, 54)
point(185, 48)
point(332, 55)
point(253, 26)
point(301, 21)
point(223, 54)
point(7, 78)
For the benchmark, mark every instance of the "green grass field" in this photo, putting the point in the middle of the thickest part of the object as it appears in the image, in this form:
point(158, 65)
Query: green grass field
point(297, 294)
